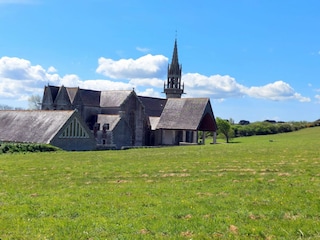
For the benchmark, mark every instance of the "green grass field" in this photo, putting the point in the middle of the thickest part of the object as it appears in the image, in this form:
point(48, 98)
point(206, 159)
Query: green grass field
point(253, 188)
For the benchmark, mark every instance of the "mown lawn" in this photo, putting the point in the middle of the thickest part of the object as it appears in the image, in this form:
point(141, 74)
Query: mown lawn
point(263, 187)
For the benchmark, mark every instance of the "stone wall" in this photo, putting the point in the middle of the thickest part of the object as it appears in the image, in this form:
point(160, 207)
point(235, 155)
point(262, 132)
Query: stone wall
point(74, 144)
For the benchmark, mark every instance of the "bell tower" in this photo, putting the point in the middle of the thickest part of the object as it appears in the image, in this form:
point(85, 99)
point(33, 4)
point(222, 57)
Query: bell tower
point(173, 87)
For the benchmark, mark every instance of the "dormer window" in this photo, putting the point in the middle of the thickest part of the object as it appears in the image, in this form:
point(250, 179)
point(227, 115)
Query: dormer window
point(106, 127)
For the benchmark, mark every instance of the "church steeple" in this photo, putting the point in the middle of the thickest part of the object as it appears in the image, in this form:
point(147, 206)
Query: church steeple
point(173, 87)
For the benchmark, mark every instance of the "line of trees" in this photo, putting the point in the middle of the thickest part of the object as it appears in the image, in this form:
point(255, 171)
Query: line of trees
point(227, 129)
point(7, 107)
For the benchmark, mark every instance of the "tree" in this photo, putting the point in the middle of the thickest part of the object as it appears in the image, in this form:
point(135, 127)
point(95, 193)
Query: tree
point(34, 102)
point(224, 127)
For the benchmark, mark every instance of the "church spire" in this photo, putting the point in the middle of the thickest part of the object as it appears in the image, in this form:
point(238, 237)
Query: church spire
point(174, 67)
point(173, 87)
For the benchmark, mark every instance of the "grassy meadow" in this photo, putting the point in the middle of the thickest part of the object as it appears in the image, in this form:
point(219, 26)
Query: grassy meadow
point(261, 187)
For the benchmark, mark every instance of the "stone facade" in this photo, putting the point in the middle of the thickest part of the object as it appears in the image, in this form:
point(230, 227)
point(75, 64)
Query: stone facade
point(131, 127)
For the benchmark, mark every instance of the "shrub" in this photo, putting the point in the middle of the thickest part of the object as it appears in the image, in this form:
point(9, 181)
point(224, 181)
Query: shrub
point(26, 147)
point(269, 127)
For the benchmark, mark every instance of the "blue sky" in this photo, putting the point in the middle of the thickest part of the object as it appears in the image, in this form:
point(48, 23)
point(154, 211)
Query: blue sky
point(255, 59)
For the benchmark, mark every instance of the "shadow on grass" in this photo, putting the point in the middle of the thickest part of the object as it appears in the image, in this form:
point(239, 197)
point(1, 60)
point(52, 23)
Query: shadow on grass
point(225, 142)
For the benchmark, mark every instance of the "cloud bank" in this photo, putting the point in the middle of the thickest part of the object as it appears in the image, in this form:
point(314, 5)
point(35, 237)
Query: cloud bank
point(19, 79)
point(147, 66)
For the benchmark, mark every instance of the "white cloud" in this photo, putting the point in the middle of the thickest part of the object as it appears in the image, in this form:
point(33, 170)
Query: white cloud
point(52, 70)
point(143, 50)
point(148, 66)
point(153, 82)
point(149, 92)
point(221, 87)
point(19, 79)
point(276, 91)
point(301, 98)
point(20, 69)
point(72, 80)
point(215, 86)
point(105, 85)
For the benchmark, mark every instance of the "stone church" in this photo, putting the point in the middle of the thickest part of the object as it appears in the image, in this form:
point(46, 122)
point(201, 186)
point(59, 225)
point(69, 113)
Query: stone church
point(122, 119)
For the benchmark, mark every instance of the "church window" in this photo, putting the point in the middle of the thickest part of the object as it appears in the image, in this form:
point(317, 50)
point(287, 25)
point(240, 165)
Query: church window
point(71, 126)
point(78, 126)
point(74, 130)
point(74, 127)
point(106, 126)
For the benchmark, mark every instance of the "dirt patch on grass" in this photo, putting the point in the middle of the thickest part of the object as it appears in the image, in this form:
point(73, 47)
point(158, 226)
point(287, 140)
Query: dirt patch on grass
point(291, 216)
point(255, 216)
point(144, 231)
point(187, 217)
point(120, 181)
point(234, 229)
point(266, 170)
point(175, 175)
point(284, 174)
point(222, 194)
point(204, 194)
point(187, 234)
point(237, 170)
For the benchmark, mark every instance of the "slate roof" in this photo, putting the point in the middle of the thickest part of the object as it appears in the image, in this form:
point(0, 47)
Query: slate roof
point(54, 91)
point(154, 122)
point(172, 113)
point(90, 97)
point(31, 126)
point(72, 93)
point(112, 120)
point(153, 106)
point(185, 113)
point(113, 98)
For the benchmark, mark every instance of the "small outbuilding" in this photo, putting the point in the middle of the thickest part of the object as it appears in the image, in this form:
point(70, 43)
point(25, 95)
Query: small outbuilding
point(182, 119)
